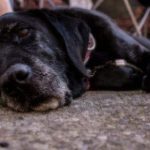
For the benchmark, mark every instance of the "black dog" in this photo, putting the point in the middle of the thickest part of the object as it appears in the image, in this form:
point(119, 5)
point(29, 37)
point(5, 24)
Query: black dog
point(46, 58)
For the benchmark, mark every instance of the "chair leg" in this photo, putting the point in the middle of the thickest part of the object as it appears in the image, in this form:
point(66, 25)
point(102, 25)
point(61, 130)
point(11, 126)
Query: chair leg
point(97, 4)
point(144, 19)
point(133, 18)
point(51, 3)
point(41, 3)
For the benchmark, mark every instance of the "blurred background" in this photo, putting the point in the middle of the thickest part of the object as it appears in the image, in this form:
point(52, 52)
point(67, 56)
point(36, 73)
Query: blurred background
point(131, 15)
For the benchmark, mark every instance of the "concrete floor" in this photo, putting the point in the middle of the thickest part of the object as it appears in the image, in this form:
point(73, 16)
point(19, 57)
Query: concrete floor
point(96, 121)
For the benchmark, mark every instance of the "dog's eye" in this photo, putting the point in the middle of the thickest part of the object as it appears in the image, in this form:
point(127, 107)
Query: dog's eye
point(23, 33)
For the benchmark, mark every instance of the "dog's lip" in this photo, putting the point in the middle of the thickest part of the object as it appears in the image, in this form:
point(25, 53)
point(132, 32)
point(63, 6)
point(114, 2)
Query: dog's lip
point(45, 105)
point(40, 103)
point(37, 103)
point(49, 104)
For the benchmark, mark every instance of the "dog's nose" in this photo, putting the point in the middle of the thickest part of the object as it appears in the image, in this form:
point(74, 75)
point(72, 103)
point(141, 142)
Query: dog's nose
point(16, 75)
point(20, 73)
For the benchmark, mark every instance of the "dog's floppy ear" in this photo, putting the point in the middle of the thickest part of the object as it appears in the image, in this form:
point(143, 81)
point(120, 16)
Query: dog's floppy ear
point(74, 32)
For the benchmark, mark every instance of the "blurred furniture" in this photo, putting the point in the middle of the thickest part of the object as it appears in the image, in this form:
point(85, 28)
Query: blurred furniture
point(32, 4)
point(93, 4)
point(97, 4)
point(145, 3)
point(137, 25)
point(88, 4)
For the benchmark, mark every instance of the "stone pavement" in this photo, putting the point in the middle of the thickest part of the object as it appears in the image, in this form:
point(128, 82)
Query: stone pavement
point(97, 121)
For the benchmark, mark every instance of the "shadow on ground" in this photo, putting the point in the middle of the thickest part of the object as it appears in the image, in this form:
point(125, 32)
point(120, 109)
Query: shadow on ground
point(96, 121)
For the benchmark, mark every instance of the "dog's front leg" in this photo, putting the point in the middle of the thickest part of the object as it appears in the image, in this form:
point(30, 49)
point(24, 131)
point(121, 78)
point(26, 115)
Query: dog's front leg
point(137, 53)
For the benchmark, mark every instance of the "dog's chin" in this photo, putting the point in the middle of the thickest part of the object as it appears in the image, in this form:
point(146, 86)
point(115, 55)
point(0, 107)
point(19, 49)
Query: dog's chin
point(41, 105)
point(51, 104)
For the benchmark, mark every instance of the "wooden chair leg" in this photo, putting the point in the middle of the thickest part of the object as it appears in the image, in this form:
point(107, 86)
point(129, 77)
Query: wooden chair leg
point(133, 18)
point(97, 4)
point(144, 19)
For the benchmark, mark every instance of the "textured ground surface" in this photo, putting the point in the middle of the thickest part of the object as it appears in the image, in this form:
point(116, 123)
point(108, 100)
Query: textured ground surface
point(96, 121)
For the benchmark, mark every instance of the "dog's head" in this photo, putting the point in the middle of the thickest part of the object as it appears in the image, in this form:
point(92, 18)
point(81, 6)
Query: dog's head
point(41, 55)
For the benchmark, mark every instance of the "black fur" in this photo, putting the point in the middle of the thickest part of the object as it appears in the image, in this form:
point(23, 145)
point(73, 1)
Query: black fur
point(54, 50)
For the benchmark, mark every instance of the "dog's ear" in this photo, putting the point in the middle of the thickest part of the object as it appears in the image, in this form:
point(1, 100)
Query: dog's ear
point(74, 32)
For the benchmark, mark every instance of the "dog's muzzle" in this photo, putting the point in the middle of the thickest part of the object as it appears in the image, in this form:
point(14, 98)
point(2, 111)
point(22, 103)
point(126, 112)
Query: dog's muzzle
point(19, 91)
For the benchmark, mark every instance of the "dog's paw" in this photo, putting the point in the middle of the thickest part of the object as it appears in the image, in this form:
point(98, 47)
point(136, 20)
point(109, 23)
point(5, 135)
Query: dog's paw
point(146, 83)
point(113, 77)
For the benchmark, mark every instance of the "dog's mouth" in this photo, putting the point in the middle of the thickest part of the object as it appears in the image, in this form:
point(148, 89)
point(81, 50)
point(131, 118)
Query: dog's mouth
point(47, 104)
point(30, 97)
point(40, 103)
point(34, 97)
